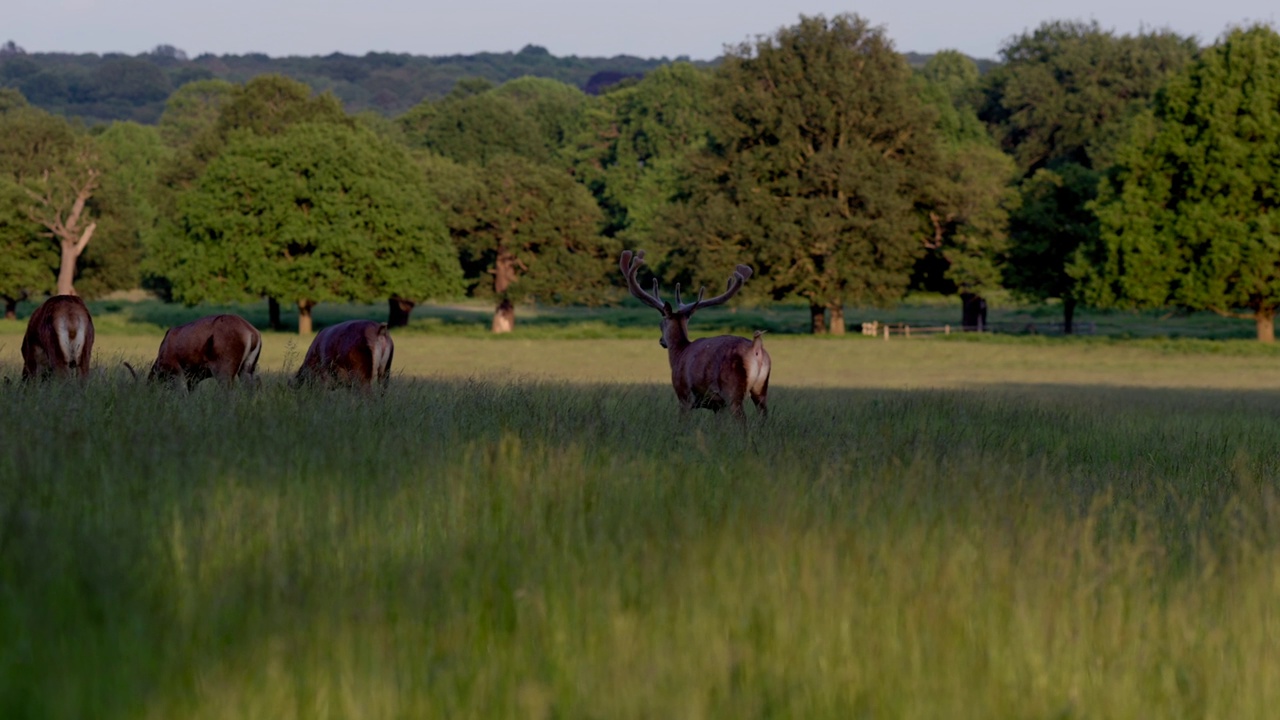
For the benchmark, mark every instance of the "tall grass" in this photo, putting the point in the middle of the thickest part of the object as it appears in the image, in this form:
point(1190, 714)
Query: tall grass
point(483, 549)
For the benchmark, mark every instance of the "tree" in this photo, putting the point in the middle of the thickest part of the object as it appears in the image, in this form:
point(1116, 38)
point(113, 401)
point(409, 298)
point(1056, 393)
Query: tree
point(1189, 215)
point(814, 170)
point(529, 231)
point(318, 212)
point(1059, 103)
point(132, 156)
point(25, 257)
point(533, 118)
point(193, 110)
point(265, 106)
point(972, 194)
point(636, 143)
point(59, 171)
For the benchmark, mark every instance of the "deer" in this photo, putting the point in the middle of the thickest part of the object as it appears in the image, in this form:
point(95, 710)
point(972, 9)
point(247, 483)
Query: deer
point(225, 347)
point(355, 352)
point(712, 372)
point(59, 339)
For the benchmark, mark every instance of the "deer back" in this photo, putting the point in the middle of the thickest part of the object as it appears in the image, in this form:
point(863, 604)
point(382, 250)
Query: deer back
point(59, 338)
point(352, 352)
point(218, 346)
point(724, 367)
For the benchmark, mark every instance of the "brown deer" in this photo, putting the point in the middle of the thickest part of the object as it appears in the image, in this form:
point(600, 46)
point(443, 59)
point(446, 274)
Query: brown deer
point(355, 352)
point(225, 347)
point(709, 372)
point(59, 339)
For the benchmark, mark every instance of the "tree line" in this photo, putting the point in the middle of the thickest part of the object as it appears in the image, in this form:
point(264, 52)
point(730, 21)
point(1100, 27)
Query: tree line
point(117, 86)
point(1114, 171)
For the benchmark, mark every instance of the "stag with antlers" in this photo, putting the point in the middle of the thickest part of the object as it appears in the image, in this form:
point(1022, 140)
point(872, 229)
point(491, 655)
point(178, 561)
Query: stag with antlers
point(59, 339)
point(712, 372)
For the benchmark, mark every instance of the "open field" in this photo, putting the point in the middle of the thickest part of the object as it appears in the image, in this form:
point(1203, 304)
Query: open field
point(940, 528)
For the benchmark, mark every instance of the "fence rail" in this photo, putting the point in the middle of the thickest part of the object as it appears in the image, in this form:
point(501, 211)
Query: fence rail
point(884, 330)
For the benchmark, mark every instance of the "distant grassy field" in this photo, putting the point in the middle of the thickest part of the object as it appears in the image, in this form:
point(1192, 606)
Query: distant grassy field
point(940, 528)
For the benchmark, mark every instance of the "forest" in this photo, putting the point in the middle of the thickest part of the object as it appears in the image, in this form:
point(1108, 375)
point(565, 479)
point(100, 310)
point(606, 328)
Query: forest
point(1082, 166)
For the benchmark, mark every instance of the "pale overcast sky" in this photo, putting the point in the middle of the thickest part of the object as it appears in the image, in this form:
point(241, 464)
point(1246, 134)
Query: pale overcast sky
point(648, 28)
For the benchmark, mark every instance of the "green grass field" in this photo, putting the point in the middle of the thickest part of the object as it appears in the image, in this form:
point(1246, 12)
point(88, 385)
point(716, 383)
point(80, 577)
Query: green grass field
point(522, 528)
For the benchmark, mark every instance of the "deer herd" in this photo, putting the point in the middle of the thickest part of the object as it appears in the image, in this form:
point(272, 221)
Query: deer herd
point(713, 373)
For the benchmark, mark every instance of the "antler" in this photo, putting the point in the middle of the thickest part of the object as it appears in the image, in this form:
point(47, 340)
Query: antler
point(630, 264)
point(740, 276)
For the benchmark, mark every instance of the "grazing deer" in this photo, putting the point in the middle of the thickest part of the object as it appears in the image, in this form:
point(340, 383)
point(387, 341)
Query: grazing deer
point(355, 352)
point(709, 372)
point(59, 339)
point(225, 347)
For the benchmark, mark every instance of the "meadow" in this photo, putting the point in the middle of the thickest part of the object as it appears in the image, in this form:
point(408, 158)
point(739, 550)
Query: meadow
point(958, 527)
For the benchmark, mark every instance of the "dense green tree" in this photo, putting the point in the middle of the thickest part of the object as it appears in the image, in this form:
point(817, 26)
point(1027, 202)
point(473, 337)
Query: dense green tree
point(25, 257)
point(972, 192)
point(1058, 104)
point(815, 170)
point(132, 155)
point(637, 141)
point(1189, 216)
point(265, 106)
point(318, 212)
point(193, 110)
point(527, 231)
point(557, 109)
point(533, 118)
point(59, 171)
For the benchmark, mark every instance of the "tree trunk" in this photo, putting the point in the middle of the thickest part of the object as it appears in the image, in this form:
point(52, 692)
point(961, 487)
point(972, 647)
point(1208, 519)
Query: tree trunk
point(1266, 322)
point(504, 317)
point(67, 269)
point(837, 319)
point(973, 312)
point(504, 274)
point(71, 238)
point(399, 314)
point(304, 316)
point(817, 319)
point(10, 308)
point(273, 314)
point(1068, 316)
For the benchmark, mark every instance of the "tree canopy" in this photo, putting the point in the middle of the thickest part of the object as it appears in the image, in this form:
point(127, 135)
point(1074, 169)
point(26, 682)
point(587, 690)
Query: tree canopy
point(528, 231)
point(1058, 104)
point(1189, 216)
point(53, 175)
point(533, 118)
point(318, 212)
point(636, 142)
point(971, 193)
point(815, 169)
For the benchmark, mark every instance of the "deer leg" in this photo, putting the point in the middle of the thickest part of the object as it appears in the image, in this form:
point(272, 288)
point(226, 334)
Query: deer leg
point(762, 405)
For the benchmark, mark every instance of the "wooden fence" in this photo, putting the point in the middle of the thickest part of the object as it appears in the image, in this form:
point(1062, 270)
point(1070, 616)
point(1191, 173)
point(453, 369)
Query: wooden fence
point(884, 330)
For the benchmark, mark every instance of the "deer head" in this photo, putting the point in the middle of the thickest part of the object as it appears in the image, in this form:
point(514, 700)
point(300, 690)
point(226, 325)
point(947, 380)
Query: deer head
point(675, 319)
point(710, 372)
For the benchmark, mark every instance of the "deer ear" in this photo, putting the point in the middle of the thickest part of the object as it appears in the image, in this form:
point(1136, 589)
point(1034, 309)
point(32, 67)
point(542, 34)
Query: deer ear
point(745, 271)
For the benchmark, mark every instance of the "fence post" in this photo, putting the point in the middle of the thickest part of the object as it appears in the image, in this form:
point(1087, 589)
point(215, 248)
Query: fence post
point(906, 330)
point(886, 331)
point(946, 329)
